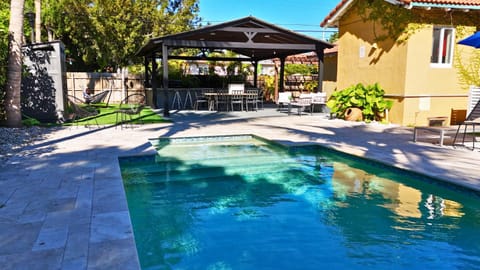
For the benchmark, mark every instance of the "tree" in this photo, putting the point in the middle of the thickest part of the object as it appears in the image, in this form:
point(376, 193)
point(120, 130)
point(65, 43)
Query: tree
point(333, 37)
point(14, 75)
point(100, 33)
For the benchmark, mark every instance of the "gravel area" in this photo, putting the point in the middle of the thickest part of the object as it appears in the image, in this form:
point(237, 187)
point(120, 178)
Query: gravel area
point(13, 141)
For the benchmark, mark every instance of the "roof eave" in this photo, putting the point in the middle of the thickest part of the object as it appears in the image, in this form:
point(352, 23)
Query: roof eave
point(443, 6)
point(333, 21)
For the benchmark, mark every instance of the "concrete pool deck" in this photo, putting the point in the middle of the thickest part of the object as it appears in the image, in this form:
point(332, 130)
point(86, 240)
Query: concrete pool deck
point(62, 203)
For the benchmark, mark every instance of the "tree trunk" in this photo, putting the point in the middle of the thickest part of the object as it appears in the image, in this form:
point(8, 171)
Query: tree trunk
point(14, 75)
point(38, 21)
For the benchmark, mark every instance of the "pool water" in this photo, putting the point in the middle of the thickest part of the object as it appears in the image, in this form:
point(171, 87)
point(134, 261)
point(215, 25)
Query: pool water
point(243, 203)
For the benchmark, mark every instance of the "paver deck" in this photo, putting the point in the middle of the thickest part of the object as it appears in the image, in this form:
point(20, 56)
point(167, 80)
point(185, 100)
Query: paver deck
point(63, 206)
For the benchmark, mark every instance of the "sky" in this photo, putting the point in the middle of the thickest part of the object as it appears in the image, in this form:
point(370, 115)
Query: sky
point(303, 16)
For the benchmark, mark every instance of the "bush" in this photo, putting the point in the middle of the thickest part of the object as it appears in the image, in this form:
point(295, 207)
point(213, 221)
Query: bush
point(368, 98)
point(311, 86)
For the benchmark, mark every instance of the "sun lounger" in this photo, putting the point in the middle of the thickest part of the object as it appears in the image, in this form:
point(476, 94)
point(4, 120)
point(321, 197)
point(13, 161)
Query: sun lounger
point(473, 119)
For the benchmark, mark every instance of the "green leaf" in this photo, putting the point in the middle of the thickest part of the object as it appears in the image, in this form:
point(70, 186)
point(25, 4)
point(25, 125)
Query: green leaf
point(368, 98)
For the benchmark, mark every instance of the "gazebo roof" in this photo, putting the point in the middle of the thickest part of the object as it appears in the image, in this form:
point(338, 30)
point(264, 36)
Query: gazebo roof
point(253, 38)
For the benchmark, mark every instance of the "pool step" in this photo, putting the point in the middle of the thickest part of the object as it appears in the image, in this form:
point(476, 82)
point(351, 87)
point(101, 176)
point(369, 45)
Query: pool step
point(166, 163)
point(266, 170)
point(207, 151)
point(225, 163)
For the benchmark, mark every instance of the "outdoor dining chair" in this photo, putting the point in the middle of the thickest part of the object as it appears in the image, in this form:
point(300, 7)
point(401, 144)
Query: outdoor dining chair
point(221, 100)
point(236, 98)
point(251, 98)
point(260, 98)
point(131, 108)
point(200, 99)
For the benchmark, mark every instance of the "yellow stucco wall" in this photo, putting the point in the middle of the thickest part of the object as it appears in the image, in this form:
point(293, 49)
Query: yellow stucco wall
point(330, 73)
point(429, 90)
point(330, 67)
point(362, 60)
point(403, 70)
point(417, 110)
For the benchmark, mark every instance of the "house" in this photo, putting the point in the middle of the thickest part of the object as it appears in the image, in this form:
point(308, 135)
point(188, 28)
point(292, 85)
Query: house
point(201, 67)
point(410, 48)
point(296, 82)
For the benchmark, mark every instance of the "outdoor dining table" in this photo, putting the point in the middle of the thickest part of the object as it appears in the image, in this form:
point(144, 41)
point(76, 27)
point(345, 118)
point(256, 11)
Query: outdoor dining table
point(212, 98)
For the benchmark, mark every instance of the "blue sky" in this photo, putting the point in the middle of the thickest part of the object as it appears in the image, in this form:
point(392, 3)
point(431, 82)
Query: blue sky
point(303, 16)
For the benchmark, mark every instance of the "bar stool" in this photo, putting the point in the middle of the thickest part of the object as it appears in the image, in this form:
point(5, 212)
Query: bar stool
point(188, 98)
point(177, 100)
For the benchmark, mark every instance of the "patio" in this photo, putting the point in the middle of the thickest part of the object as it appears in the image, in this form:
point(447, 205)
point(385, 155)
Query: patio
point(62, 203)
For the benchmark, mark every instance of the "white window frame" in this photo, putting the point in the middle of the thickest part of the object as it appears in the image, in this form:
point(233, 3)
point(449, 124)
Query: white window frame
point(438, 47)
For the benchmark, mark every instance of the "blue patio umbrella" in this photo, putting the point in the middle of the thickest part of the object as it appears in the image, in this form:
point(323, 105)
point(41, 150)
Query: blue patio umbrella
point(473, 40)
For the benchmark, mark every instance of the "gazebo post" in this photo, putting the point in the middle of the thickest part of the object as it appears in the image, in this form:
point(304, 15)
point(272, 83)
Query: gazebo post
point(282, 72)
point(147, 82)
point(154, 81)
point(255, 71)
point(166, 109)
point(320, 54)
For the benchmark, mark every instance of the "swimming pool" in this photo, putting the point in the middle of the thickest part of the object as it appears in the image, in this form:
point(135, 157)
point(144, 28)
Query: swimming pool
point(240, 202)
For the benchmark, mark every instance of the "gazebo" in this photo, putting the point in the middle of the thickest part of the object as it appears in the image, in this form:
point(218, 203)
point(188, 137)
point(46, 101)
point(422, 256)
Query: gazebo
point(253, 39)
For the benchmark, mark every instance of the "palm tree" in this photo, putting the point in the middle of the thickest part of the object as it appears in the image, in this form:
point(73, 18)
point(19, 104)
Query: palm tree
point(14, 75)
point(38, 21)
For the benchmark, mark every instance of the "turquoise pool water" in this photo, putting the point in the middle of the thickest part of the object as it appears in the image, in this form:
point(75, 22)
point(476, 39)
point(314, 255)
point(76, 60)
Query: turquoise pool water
point(242, 203)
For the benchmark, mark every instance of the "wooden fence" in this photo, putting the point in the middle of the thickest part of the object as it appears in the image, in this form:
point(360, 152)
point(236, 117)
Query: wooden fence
point(121, 86)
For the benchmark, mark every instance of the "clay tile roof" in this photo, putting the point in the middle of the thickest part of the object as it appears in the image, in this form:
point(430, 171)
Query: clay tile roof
point(445, 2)
point(333, 12)
point(344, 4)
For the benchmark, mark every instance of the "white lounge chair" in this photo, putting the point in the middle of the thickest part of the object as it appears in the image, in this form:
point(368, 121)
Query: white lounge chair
point(284, 99)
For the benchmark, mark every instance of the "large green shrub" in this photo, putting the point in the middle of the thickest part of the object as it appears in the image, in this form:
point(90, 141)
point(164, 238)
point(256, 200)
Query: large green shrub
point(368, 98)
point(303, 69)
point(269, 86)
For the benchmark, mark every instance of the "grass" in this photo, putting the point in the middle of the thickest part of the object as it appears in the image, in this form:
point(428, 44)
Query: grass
point(107, 116)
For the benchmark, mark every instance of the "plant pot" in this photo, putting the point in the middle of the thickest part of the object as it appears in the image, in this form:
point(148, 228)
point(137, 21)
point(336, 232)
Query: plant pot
point(353, 114)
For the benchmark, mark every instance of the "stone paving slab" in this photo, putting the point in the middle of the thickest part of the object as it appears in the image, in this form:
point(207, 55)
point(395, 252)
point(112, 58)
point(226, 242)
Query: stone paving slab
point(63, 206)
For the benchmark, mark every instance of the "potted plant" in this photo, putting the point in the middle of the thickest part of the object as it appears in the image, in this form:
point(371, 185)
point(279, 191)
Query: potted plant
point(367, 99)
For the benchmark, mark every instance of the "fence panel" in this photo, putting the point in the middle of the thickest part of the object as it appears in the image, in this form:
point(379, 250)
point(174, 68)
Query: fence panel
point(98, 82)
